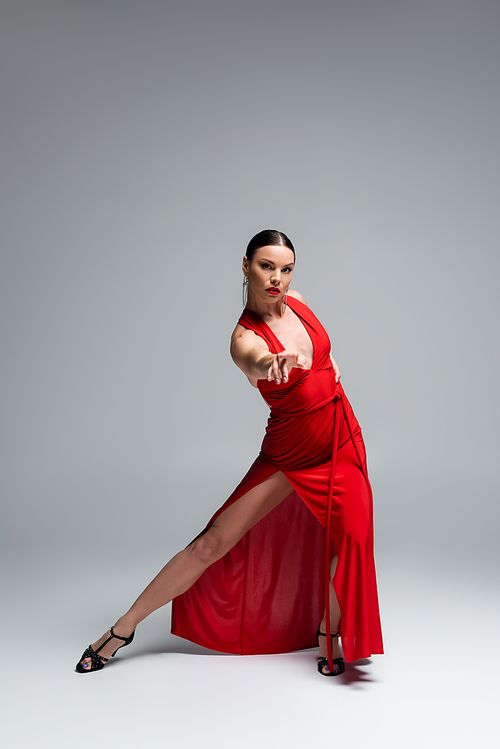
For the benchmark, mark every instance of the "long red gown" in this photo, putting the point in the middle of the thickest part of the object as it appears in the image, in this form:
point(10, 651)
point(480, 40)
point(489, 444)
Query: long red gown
point(267, 594)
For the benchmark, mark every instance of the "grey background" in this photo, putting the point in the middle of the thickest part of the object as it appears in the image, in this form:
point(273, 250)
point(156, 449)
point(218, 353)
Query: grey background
point(143, 144)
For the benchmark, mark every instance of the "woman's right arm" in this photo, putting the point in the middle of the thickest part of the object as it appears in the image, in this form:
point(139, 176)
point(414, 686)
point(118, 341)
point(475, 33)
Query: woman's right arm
point(251, 354)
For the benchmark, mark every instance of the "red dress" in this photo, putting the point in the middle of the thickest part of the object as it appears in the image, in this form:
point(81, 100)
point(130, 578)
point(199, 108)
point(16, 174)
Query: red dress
point(267, 594)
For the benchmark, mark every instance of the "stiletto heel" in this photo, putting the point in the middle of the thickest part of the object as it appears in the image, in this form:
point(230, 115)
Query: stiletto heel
point(98, 661)
point(322, 662)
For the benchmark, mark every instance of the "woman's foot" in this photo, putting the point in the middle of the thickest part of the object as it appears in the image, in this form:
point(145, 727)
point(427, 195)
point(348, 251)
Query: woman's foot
point(97, 654)
point(337, 656)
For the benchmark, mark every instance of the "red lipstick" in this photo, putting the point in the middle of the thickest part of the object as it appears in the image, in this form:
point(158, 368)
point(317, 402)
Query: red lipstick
point(273, 290)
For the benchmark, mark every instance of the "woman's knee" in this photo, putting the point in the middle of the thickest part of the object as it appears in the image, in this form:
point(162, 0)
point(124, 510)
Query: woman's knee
point(208, 547)
point(359, 534)
point(358, 528)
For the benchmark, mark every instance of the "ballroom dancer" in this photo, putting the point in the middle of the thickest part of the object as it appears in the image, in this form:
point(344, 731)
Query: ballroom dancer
point(293, 544)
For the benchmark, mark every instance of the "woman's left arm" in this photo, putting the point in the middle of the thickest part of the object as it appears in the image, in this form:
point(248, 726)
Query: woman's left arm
point(335, 368)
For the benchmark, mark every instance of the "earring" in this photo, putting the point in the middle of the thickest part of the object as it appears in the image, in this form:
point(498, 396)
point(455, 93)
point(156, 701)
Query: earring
point(284, 302)
point(244, 294)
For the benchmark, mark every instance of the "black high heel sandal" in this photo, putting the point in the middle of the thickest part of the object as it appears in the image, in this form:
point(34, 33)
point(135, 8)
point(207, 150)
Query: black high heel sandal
point(322, 662)
point(98, 661)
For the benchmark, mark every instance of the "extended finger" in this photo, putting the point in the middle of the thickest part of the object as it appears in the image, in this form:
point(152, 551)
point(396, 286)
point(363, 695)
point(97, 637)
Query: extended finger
point(285, 370)
point(274, 371)
point(277, 369)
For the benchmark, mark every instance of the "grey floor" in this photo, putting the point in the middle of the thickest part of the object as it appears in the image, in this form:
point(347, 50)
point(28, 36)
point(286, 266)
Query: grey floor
point(437, 685)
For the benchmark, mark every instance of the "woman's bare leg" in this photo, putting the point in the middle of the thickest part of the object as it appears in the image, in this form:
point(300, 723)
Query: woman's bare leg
point(182, 571)
point(334, 618)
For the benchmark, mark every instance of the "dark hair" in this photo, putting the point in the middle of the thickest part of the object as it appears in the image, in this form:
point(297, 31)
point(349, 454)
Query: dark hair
point(268, 237)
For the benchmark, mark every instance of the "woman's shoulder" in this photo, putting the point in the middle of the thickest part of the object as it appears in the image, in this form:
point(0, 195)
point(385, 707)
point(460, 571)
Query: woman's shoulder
point(296, 295)
point(239, 331)
point(242, 336)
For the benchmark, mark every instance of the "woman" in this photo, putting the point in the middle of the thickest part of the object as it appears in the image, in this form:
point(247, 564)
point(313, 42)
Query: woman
point(264, 570)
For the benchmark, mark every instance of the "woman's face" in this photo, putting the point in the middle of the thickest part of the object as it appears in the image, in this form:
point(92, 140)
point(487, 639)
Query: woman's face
point(269, 272)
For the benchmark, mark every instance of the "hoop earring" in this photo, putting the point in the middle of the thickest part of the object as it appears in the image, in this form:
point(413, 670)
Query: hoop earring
point(284, 302)
point(244, 292)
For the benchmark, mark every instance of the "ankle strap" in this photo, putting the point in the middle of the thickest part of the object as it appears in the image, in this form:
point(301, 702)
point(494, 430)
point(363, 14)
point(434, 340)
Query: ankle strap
point(323, 634)
point(117, 637)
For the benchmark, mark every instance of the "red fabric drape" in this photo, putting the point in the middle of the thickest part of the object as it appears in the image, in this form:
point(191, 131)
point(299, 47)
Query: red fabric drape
point(268, 593)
